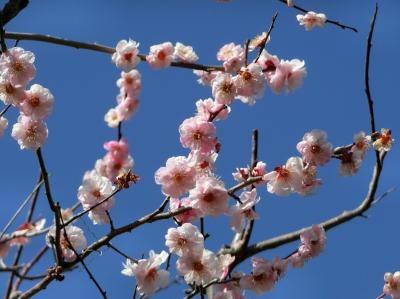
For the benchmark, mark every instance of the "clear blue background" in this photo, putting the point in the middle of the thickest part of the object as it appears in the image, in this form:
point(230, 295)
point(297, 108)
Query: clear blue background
point(332, 98)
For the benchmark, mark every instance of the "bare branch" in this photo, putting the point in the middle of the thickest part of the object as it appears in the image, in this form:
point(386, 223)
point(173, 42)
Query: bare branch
point(266, 37)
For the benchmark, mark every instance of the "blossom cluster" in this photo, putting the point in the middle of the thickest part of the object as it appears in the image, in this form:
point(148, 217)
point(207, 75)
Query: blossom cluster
point(35, 104)
point(392, 284)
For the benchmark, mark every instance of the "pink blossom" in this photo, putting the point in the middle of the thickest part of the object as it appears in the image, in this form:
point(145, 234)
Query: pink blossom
point(209, 196)
point(188, 216)
point(315, 148)
point(160, 56)
point(361, 143)
point(11, 94)
point(184, 53)
point(199, 269)
point(177, 177)
point(224, 262)
point(233, 57)
point(244, 210)
point(287, 76)
point(384, 141)
point(311, 19)
point(29, 133)
point(76, 239)
point(4, 247)
point(93, 190)
point(230, 290)
point(117, 149)
point(130, 83)
point(127, 106)
point(250, 83)
point(269, 63)
point(286, 178)
point(112, 118)
point(350, 163)
point(202, 162)
point(224, 89)
point(310, 182)
point(259, 41)
point(3, 125)
point(198, 134)
point(312, 242)
point(264, 275)
point(209, 108)
point(185, 240)
point(24, 229)
point(206, 78)
point(38, 102)
point(126, 56)
point(17, 66)
point(149, 276)
point(392, 284)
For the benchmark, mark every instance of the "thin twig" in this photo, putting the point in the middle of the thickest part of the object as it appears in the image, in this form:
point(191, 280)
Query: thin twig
point(266, 37)
point(34, 196)
point(121, 253)
point(337, 23)
point(5, 110)
point(70, 246)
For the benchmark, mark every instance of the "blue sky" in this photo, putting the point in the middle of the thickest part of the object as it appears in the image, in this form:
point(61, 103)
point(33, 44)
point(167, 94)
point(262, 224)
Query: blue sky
point(332, 98)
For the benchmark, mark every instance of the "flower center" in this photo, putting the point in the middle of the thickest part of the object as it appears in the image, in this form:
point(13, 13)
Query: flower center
point(246, 75)
point(315, 149)
point(198, 266)
point(18, 66)
point(96, 193)
point(34, 101)
point(197, 136)
point(209, 197)
point(128, 56)
point(10, 89)
point(151, 274)
point(282, 172)
point(161, 55)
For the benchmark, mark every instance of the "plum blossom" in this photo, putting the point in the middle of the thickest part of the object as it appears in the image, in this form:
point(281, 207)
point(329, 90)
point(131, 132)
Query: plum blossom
point(29, 133)
point(126, 56)
point(206, 78)
point(287, 76)
point(350, 163)
point(312, 244)
point(233, 57)
point(242, 174)
point(230, 290)
point(392, 284)
point(16, 65)
point(93, 190)
point(117, 149)
point(269, 63)
point(202, 162)
point(184, 53)
point(188, 216)
point(224, 261)
point(130, 83)
point(310, 182)
point(126, 107)
point(224, 89)
point(315, 148)
point(112, 118)
point(311, 19)
point(250, 83)
point(264, 275)
point(361, 143)
point(185, 240)
point(161, 55)
point(3, 125)
point(286, 178)
point(177, 177)
point(75, 236)
point(11, 94)
point(199, 269)
point(198, 134)
point(383, 141)
point(149, 277)
point(38, 102)
point(244, 210)
point(208, 108)
point(209, 196)
point(259, 41)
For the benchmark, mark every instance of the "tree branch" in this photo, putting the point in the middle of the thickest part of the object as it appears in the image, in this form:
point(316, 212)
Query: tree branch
point(99, 48)
point(337, 23)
